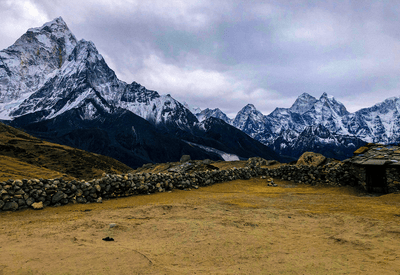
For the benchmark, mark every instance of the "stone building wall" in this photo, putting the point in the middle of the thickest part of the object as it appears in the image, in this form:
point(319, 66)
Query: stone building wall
point(359, 172)
point(393, 179)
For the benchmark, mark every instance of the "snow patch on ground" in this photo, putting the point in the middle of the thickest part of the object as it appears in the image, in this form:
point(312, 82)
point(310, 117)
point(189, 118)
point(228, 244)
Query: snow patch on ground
point(224, 155)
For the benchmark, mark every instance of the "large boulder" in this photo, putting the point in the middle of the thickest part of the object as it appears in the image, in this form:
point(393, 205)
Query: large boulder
point(311, 159)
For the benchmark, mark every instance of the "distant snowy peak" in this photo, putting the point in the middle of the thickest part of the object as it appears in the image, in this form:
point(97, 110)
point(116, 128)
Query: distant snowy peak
point(306, 102)
point(217, 113)
point(329, 102)
point(303, 103)
point(194, 110)
point(246, 114)
point(253, 123)
point(391, 104)
point(51, 43)
point(379, 123)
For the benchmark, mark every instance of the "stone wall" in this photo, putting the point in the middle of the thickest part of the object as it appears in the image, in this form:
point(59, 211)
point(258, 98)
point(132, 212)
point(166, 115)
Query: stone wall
point(38, 193)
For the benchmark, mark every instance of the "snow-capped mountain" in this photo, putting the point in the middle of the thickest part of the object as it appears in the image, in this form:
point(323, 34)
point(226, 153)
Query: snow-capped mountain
point(217, 113)
point(308, 111)
point(60, 73)
point(62, 90)
point(33, 59)
point(316, 139)
point(379, 123)
point(254, 123)
point(48, 75)
point(284, 128)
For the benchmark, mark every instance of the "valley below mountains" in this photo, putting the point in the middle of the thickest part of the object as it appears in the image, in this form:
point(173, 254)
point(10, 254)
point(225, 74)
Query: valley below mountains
point(60, 89)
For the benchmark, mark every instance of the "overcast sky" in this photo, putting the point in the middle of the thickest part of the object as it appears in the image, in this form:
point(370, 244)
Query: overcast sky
point(226, 54)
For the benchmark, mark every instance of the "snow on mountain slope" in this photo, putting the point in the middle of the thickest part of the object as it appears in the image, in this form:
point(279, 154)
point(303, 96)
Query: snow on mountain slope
point(33, 59)
point(253, 122)
point(217, 113)
point(84, 75)
point(225, 156)
point(379, 123)
point(303, 103)
point(161, 110)
point(317, 139)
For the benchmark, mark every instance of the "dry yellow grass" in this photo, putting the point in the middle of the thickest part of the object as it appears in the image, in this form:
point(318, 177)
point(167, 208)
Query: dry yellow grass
point(12, 168)
point(239, 227)
point(24, 156)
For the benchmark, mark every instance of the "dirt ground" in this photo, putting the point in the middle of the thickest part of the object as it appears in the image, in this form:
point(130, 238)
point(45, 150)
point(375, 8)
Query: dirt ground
point(239, 227)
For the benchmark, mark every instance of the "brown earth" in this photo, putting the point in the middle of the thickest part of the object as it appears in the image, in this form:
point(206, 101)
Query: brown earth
point(239, 227)
point(24, 156)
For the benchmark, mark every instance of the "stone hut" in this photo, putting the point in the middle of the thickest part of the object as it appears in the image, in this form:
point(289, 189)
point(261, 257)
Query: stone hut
point(377, 167)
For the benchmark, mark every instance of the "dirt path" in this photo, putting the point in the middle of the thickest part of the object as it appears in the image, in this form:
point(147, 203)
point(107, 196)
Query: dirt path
point(241, 227)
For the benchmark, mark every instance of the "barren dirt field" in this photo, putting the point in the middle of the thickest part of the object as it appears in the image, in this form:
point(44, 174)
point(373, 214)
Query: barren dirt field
point(239, 227)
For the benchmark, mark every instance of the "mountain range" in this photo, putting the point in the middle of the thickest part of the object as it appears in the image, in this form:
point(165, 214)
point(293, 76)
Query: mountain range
point(328, 120)
point(61, 89)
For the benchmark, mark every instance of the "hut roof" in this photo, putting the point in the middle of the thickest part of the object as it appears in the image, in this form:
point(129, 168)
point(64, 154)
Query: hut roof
point(377, 154)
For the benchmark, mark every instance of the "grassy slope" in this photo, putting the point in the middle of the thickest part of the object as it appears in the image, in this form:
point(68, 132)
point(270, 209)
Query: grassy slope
point(24, 156)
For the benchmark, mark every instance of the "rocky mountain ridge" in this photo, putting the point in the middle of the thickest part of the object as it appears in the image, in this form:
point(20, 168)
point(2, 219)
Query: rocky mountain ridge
point(281, 128)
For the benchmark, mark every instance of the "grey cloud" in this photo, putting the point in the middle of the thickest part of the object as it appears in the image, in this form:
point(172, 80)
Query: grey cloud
point(230, 49)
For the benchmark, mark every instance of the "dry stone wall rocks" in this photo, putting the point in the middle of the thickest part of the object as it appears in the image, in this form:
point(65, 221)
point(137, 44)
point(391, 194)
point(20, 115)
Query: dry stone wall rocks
point(38, 193)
